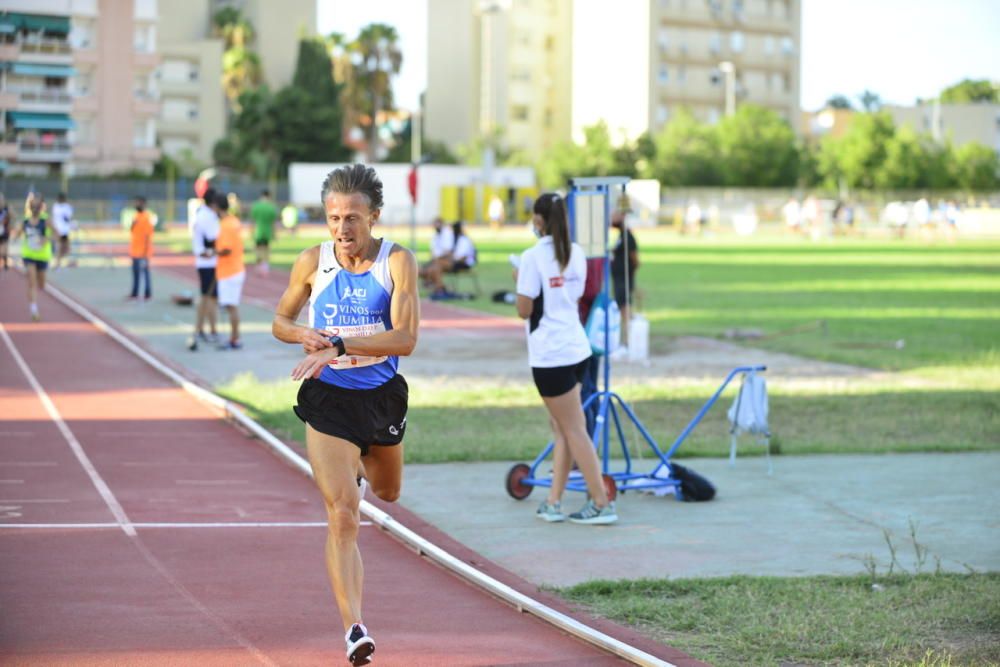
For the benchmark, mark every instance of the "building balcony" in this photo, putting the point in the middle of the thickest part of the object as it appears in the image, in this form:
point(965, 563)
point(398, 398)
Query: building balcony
point(174, 88)
point(36, 150)
point(175, 126)
point(46, 50)
point(145, 106)
point(44, 100)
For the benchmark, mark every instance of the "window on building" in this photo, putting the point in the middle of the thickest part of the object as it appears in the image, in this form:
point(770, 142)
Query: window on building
point(769, 45)
point(662, 114)
point(664, 74)
point(715, 42)
point(736, 42)
point(663, 39)
point(738, 11)
point(520, 112)
point(714, 114)
point(787, 46)
point(681, 74)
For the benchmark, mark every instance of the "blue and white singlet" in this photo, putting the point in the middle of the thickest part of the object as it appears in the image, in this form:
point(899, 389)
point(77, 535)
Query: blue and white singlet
point(352, 305)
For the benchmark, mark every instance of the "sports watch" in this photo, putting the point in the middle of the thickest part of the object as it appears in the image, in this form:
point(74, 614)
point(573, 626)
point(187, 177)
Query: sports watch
point(338, 343)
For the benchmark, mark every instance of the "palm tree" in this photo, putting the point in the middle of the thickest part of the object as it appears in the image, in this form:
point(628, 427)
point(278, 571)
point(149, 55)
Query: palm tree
point(241, 67)
point(374, 58)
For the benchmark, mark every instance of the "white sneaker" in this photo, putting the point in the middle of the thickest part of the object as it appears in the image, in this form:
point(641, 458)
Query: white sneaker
point(359, 645)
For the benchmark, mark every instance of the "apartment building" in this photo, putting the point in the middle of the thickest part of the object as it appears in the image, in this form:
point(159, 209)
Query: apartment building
point(958, 123)
point(708, 56)
point(496, 65)
point(193, 106)
point(542, 70)
point(78, 86)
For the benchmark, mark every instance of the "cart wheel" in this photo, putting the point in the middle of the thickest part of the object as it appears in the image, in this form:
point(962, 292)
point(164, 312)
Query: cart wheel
point(517, 489)
point(610, 487)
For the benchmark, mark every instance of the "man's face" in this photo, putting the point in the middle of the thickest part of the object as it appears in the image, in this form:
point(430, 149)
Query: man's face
point(350, 221)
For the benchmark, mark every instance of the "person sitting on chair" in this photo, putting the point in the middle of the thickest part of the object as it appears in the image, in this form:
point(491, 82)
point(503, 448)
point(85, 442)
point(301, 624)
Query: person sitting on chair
point(461, 257)
point(442, 243)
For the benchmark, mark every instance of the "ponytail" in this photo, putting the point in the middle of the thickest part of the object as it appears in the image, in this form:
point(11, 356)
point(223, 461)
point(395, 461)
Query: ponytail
point(552, 208)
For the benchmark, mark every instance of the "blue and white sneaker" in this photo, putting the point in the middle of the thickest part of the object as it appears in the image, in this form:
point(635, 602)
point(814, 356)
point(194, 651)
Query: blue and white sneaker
point(550, 512)
point(590, 514)
point(360, 646)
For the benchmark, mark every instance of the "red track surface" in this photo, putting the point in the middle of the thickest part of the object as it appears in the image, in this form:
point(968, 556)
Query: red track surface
point(198, 595)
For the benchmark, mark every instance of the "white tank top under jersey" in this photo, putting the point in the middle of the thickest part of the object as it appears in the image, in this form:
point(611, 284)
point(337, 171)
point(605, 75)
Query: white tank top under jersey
point(555, 334)
point(352, 305)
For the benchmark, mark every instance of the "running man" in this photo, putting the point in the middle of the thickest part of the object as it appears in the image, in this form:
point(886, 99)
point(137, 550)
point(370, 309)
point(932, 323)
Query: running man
point(5, 227)
point(364, 311)
point(229, 270)
point(264, 213)
point(36, 251)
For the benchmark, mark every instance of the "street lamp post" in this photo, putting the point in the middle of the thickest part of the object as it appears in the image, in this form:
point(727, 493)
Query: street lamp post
point(729, 71)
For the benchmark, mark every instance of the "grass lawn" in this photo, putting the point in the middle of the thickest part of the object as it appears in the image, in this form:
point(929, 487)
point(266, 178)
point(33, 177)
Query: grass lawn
point(741, 621)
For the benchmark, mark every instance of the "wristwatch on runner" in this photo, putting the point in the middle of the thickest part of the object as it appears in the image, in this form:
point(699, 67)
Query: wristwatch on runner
point(338, 343)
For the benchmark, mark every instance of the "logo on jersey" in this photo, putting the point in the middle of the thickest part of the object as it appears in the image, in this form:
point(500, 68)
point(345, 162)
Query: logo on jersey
point(394, 430)
point(354, 293)
point(556, 281)
point(330, 313)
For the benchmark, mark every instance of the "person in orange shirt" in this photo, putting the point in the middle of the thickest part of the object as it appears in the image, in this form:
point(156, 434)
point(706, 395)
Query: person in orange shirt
point(230, 271)
point(141, 249)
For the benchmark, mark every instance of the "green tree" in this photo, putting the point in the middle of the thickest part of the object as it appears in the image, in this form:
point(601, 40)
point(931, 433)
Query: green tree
point(757, 149)
point(856, 157)
point(971, 90)
point(596, 156)
point(367, 65)
point(241, 66)
point(634, 158)
point(904, 166)
point(687, 153)
point(977, 167)
point(839, 102)
point(870, 101)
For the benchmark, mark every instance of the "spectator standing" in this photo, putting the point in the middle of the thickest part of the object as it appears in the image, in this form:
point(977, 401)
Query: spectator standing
point(624, 264)
point(263, 213)
point(141, 250)
point(230, 272)
point(5, 226)
point(290, 217)
point(62, 224)
point(792, 214)
point(203, 234)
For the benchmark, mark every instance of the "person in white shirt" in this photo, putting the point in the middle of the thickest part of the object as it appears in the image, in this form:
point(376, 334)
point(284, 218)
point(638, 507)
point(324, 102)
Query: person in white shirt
point(551, 277)
point(62, 223)
point(442, 243)
point(203, 234)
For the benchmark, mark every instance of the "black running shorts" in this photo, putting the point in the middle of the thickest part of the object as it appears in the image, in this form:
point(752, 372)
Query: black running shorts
point(363, 417)
point(558, 380)
point(207, 284)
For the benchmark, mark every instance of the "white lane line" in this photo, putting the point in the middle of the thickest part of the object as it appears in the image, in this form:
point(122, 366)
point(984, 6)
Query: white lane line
point(74, 444)
point(143, 526)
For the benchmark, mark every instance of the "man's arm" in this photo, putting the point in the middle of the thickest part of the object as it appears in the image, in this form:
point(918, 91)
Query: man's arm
point(404, 312)
point(284, 327)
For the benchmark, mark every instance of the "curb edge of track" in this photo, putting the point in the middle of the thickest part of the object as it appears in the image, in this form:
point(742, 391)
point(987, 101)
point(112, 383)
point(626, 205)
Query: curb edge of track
point(423, 547)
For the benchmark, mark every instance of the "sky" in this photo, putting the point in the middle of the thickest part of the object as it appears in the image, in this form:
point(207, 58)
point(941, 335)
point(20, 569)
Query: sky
point(900, 49)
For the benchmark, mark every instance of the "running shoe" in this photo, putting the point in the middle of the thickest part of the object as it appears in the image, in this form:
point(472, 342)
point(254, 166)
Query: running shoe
point(192, 343)
point(232, 345)
point(550, 512)
point(590, 514)
point(359, 645)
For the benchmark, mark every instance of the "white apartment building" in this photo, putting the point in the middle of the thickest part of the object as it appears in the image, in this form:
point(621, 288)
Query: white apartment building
point(553, 67)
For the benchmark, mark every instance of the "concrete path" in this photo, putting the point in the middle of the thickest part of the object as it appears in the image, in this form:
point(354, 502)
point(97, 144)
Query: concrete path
point(815, 515)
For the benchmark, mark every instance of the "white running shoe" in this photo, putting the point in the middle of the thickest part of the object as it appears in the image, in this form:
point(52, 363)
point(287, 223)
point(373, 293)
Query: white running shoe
point(359, 645)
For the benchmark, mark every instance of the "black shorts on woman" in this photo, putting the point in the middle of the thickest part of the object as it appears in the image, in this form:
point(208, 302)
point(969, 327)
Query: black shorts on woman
point(558, 380)
point(362, 417)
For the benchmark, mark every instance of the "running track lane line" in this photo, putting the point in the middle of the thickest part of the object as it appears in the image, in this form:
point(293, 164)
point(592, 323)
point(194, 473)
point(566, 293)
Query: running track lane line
point(102, 488)
point(122, 519)
point(424, 547)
